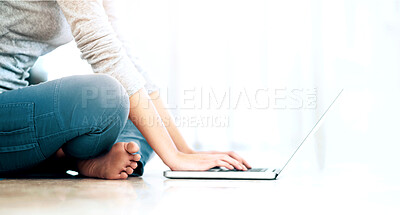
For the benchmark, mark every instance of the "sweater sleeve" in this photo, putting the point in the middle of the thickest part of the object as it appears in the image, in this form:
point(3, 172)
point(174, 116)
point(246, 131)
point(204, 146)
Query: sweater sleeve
point(117, 13)
point(99, 44)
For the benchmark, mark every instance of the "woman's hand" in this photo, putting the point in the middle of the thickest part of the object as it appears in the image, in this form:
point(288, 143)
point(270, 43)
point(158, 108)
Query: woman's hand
point(206, 161)
point(231, 154)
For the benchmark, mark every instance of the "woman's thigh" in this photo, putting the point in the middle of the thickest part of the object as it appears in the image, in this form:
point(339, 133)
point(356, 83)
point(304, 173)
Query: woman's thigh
point(36, 121)
point(19, 112)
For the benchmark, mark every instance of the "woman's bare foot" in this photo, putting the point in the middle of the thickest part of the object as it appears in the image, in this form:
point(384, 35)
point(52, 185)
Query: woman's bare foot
point(118, 163)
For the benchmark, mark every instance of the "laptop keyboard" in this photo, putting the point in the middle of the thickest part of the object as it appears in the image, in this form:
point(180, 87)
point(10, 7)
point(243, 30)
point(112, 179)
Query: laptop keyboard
point(235, 170)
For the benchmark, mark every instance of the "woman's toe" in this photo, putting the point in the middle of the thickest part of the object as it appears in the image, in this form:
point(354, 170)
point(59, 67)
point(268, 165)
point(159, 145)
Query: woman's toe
point(135, 157)
point(134, 165)
point(123, 175)
point(129, 170)
point(132, 147)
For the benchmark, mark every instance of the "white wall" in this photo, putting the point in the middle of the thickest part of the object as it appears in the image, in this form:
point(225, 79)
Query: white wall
point(237, 45)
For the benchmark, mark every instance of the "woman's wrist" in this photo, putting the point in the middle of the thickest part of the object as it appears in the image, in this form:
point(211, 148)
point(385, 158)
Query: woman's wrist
point(188, 151)
point(173, 160)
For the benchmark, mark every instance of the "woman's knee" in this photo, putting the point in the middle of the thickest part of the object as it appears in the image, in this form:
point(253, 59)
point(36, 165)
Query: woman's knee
point(103, 91)
point(93, 100)
point(98, 106)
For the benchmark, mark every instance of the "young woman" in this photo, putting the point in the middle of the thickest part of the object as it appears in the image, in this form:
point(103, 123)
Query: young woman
point(107, 124)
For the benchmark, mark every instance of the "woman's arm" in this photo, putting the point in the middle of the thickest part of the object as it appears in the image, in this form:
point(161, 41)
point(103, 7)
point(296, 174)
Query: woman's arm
point(98, 43)
point(144, 115)
point(176, 135)
point(119, 17)
point(169, 123)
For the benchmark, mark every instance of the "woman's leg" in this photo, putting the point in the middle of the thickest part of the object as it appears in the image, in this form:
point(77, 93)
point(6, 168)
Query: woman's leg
point(82, 114)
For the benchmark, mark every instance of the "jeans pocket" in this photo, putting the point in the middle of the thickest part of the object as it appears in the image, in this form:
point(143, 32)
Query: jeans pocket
point(18, 144)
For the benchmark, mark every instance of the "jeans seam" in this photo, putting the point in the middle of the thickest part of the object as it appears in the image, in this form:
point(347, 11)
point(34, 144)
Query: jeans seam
point(110, 122)
point(44, 115)
point(98, 140)
point(53, 112)
point(114, 115)
point(34, 132)
point(56, 104)
point(64, 131)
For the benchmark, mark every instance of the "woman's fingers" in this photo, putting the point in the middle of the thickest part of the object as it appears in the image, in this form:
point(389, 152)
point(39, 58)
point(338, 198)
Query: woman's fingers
point(234, 156)
point(204, 161)
point(233, 162)
point(240, 159)
point(222, 163)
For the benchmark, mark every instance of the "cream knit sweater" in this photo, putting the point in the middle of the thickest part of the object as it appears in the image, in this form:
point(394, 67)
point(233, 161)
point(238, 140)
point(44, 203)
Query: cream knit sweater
point(32, 28)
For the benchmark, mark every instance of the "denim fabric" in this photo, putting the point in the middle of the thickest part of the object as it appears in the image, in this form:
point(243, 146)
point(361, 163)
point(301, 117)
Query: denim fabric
point(85, 115)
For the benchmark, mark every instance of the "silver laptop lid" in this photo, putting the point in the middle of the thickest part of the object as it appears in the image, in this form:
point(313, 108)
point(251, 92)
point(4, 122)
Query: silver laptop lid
point(314, 129)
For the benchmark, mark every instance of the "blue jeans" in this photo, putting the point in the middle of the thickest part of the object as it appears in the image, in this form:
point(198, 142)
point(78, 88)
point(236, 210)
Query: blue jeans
point(84, 115)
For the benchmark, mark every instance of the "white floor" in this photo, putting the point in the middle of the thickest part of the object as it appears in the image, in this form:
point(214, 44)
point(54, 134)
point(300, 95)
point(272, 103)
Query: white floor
point(345, 189)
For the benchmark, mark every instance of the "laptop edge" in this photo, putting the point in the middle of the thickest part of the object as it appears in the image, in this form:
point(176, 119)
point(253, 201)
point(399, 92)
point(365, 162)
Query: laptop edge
point(268, 174)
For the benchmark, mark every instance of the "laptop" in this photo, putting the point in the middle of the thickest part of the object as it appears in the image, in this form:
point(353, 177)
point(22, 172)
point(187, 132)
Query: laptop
point(251, 174)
